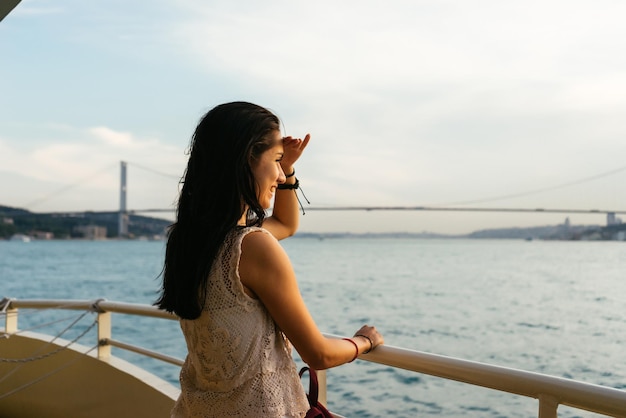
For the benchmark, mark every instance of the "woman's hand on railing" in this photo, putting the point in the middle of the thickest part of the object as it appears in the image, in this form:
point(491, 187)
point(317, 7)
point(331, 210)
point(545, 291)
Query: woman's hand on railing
point(371, 335)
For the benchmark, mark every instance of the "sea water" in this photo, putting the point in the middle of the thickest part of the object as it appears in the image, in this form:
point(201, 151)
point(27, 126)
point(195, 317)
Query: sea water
point(551, 307)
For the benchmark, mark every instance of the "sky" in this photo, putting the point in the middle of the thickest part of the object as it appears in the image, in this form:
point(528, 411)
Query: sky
point(487, 103)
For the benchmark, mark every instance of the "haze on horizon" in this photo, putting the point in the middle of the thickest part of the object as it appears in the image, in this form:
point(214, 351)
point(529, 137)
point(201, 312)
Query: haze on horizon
point(409, 103)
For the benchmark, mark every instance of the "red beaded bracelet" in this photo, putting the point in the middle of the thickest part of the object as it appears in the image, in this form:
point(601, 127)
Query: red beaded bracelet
point(368, 339)
point(356, 347)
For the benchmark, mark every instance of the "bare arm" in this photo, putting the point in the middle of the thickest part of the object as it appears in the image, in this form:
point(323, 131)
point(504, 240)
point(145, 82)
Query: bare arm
point(265, 269)
point(285, 215)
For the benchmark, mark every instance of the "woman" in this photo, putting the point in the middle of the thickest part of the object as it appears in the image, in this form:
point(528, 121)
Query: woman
point(230, 281)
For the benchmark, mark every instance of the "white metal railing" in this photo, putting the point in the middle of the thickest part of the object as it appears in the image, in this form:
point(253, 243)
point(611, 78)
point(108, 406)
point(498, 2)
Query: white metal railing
point(550, 391)
point(104, 309)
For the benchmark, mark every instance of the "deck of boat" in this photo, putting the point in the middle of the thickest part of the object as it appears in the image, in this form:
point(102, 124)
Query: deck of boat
point(72, 383)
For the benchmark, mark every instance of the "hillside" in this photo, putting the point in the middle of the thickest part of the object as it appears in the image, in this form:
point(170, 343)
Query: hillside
point(19, 221)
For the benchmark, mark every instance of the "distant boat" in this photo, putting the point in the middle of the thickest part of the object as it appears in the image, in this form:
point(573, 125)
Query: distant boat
point(20, 238)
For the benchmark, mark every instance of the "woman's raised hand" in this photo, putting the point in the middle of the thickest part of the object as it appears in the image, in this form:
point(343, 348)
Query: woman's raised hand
point(293, 148)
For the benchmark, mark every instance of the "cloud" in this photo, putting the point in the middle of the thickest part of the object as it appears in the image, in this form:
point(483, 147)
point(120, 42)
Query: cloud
point(32, 9)
point(408, 102)
point(115, 139)
point(120, 140)
point(342, 45)
point(84, 169)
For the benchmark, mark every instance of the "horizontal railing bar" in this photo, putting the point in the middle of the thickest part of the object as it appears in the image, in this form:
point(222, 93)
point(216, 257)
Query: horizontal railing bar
point(93, 305)
point(581, 395)
point(144, 351)
point(136, 309)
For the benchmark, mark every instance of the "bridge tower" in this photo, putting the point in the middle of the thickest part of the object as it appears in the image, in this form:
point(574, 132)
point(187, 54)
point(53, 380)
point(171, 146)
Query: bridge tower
point(122, 230)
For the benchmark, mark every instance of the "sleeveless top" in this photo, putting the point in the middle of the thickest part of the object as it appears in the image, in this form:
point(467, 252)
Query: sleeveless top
point(239, 362)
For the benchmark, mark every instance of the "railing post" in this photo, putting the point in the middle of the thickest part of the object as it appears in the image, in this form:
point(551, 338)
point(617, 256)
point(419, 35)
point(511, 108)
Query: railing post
point(548, 406)
point(104, 334)
point(10, 325)
point(321, 387)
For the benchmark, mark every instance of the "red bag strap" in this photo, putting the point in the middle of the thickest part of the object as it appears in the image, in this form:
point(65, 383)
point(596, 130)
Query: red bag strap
point(313, 389)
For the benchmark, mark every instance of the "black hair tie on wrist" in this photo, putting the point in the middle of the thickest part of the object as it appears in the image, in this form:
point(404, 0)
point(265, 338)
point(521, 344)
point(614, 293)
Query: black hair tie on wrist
point(294, 187)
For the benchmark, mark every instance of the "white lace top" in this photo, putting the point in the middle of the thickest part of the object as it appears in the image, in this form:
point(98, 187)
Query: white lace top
point(239, 363)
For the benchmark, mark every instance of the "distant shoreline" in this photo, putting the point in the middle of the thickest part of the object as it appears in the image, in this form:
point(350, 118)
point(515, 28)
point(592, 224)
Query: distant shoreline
point(101, 226)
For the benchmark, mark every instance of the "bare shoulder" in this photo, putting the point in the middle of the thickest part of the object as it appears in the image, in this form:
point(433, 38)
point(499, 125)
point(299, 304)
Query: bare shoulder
point(258, 241)
point(260, 250)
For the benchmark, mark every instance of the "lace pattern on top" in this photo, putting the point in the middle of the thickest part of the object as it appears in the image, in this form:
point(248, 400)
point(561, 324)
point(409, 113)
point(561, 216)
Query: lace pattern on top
point(238, 363)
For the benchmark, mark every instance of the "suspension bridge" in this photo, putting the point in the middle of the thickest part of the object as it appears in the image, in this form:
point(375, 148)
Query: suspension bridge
point(124, 212)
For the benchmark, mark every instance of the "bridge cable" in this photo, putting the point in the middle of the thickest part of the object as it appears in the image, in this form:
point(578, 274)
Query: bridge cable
point(546, 189)
point(68, 187)
point(155, 171)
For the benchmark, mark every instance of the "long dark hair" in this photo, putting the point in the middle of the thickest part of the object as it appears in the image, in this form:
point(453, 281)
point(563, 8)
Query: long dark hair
point(217, 187)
